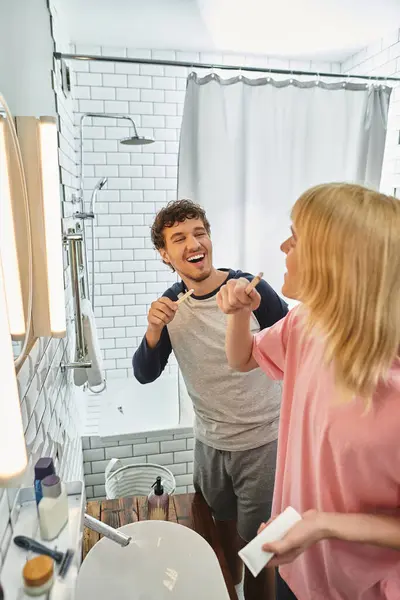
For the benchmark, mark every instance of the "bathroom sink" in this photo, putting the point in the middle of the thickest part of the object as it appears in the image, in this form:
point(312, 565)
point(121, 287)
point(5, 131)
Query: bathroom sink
point(163, 561)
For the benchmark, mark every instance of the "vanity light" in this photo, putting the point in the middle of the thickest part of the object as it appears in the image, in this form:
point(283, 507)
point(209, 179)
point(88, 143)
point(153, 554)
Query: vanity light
point(39, 147)
point(13, 292)
point(13, 458)
point(52, 224)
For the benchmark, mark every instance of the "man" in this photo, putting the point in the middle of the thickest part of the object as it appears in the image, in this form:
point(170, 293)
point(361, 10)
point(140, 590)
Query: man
point(237, 414)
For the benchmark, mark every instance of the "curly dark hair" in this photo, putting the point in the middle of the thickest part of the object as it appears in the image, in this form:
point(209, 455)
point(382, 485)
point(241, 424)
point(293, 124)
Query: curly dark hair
point(176, 212)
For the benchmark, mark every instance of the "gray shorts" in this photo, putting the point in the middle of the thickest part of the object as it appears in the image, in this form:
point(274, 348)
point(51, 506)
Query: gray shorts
point(237, 485)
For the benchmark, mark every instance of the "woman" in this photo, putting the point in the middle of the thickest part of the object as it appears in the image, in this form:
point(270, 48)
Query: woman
point(338, 355)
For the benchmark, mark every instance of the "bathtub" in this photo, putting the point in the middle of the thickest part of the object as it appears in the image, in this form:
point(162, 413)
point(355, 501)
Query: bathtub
point(137, 423)
point(127, 408)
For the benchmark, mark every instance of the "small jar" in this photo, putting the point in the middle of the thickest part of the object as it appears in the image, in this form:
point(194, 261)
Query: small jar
point(38, 575)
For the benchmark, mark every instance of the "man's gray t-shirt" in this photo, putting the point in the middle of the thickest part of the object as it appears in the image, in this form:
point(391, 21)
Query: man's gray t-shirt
point(233, 411)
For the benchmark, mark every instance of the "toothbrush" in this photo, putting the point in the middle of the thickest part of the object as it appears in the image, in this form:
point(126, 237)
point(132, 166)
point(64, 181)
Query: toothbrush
point(62, 559)
point(255, 281)
point(183, 298)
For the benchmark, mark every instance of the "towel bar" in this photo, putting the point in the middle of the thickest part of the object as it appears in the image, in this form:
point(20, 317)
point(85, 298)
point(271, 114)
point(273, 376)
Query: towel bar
point(75, 365)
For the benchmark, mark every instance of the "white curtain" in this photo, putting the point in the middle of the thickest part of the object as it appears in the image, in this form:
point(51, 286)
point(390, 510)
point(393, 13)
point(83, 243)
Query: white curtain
point(249, 148)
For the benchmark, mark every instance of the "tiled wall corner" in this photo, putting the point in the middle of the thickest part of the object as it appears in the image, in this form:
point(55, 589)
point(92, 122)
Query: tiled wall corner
point(173, 450)
point(382, 58)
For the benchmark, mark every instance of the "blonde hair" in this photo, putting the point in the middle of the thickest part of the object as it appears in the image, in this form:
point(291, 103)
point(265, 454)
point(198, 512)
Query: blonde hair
point(349, 255)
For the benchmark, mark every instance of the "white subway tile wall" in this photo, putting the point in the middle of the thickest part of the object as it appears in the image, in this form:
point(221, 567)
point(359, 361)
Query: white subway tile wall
point(173, 450)
point(129, 275)
point(142, 179)
point(50, 416)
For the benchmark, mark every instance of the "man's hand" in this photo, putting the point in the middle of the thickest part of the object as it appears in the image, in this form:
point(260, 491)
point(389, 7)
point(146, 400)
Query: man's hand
point(232, 297)
point(161, 313)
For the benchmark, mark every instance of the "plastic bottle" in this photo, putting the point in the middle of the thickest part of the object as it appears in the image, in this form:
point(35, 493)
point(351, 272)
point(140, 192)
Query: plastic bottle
point(53, 508)
point(43, 468)
point(158, 502)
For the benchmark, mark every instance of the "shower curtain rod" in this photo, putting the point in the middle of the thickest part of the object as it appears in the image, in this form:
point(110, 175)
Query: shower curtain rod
point(199, 65)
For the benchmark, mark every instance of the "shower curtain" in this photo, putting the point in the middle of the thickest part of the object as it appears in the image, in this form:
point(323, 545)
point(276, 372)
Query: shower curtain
point(249, 147)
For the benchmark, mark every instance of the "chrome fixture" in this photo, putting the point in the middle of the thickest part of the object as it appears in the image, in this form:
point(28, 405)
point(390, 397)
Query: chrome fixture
point(134, 140)
point(109, 532)
point(73, 239)
point(75, 365)
point(99, 186)
point(211, 66)
point(84, 215)
point(90, 215)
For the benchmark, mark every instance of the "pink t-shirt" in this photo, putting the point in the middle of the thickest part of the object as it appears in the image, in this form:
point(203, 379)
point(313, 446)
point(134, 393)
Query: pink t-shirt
point(333, 457)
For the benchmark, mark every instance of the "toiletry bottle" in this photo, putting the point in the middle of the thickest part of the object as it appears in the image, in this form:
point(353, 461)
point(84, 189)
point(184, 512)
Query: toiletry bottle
point(43, 468)
point(158, 502)
point(53, 508)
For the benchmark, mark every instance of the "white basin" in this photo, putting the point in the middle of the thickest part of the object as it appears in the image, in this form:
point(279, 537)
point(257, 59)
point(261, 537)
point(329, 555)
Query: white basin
point(163, 561)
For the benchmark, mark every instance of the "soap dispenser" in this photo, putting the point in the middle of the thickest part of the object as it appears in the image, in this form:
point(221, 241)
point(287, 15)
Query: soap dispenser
point(158, 502)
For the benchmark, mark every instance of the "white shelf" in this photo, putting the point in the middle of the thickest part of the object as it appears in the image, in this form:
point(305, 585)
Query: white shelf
point(70, 538)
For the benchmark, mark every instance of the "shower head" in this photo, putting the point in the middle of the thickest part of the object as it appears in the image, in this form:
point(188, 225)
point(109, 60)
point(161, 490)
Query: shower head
point(99, 186)
point(136, 140)
point(101, 183)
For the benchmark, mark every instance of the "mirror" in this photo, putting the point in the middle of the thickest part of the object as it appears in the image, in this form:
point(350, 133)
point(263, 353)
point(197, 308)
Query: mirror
point(15, 235)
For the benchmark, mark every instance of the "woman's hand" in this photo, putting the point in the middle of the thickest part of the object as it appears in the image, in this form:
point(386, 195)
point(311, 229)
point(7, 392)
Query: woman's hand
point(380, 530)
point(233, 298)
point(310, 530)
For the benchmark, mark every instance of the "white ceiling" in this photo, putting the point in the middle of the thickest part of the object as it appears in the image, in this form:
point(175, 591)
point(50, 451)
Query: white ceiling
point(324, 29)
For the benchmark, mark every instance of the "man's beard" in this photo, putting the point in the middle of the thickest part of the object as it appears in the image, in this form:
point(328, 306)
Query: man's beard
point(199, 278)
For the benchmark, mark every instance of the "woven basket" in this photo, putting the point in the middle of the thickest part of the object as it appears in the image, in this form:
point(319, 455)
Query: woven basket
point(136, 479)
